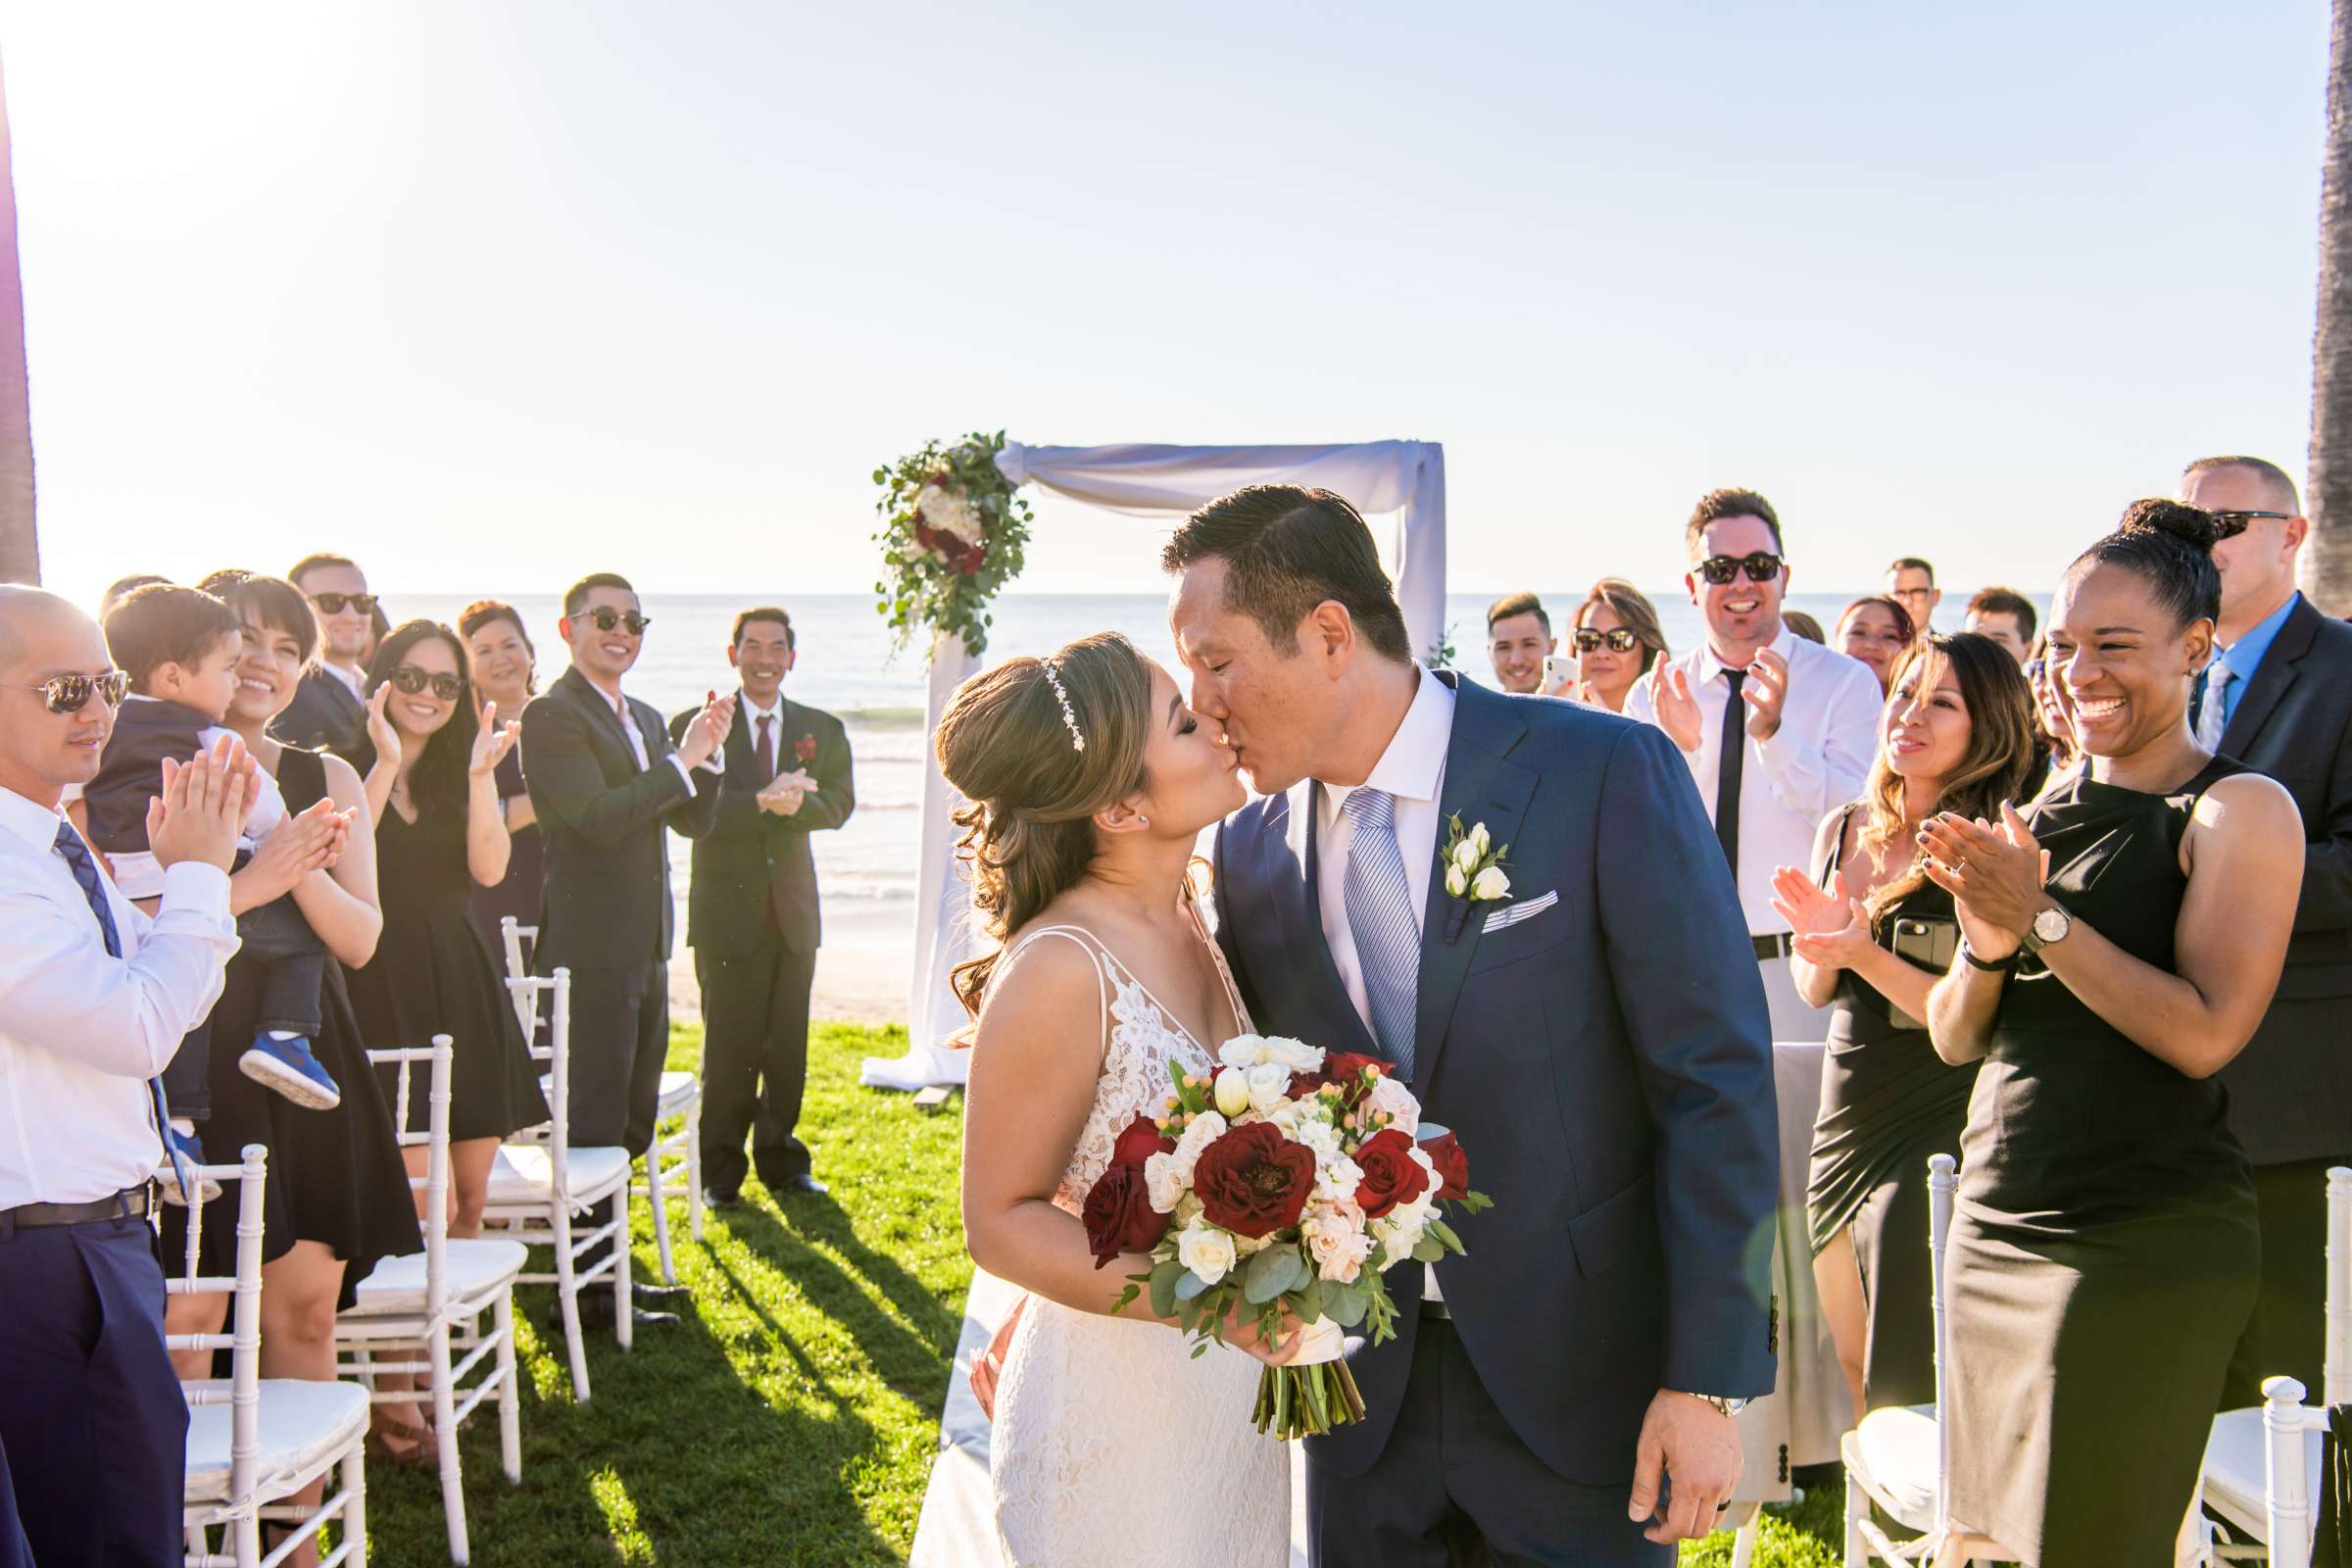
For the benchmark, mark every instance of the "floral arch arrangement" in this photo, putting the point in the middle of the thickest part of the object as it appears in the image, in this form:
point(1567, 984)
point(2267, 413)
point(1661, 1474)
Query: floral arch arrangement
point(952, 531)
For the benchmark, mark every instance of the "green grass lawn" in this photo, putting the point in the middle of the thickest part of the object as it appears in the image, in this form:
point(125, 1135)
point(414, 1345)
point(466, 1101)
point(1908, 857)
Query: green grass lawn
point(793, 1416)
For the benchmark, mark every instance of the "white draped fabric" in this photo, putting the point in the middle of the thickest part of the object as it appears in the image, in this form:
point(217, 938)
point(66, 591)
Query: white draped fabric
point(1407, 478)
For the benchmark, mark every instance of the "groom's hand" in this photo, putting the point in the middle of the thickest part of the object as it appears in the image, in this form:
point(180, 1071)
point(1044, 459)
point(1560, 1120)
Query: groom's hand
point(1695, 1447)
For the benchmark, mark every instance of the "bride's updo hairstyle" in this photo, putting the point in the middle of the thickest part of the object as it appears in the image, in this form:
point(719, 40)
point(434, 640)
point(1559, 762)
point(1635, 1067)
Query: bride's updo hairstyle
point(2170, 545)
point(1007, 745)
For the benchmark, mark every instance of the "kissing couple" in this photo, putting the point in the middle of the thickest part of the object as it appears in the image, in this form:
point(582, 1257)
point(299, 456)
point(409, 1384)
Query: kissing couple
point(1594, 1032)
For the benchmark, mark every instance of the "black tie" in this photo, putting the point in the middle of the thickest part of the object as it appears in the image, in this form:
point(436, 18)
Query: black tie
point(1727, 771)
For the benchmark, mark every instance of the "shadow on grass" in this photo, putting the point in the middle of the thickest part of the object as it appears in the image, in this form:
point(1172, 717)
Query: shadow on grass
point(791, 1240)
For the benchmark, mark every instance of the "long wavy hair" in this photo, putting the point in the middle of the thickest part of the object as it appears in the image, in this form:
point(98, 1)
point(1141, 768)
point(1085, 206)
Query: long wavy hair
point(1006, 745)
point(1996, 767)
point(438, 783)
point(1632, 610)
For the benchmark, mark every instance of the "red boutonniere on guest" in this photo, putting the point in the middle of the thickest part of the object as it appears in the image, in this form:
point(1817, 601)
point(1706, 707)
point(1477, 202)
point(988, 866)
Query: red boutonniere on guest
point(805, 748)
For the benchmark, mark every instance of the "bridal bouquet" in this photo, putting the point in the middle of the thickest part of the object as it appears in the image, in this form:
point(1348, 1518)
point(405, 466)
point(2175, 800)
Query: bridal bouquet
point(1289, 1179)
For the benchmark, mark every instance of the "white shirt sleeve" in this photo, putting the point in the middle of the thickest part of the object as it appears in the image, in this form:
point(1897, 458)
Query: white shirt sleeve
point(60, 991)
point(1821, 759)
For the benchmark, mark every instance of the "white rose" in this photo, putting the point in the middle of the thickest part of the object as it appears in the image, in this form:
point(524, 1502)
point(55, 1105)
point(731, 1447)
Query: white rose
point(1478, 836)
point(1164, 1183)
point(1207, 1250)
point(1296, 1055)
point(1201, 1132)
point(1397, 1232)
point(1467, 855)
point(1397, 1101)
point(1232, 1091)
point(1241, 1051)
point(1490, 884)
point(1269, 1086)
point(1336, 1242)
point(1456, 884)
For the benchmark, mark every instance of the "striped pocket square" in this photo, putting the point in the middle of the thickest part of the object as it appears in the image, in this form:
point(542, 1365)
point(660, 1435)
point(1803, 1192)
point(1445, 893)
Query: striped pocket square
point(1511, 914)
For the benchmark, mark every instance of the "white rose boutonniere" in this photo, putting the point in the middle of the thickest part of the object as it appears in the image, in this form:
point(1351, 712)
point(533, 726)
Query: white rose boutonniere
point(1474, 872)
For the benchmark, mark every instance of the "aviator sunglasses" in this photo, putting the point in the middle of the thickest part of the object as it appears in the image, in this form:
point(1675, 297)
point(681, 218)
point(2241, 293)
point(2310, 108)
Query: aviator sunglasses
point(1762, 567)
point(333, 603)
point(2229, 524)
point(68, 694)
point(1620, 639)
point(607, 617)
point(413, 681)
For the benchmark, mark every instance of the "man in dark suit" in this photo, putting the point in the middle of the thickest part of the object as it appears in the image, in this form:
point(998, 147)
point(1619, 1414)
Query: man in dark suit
point(752, 914)
point(2278, 696)
point(1597, 1033)
point(606, 782)
point(328, 707)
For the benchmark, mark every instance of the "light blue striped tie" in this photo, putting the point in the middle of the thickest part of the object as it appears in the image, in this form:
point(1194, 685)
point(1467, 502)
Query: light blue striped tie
point(1380, 915)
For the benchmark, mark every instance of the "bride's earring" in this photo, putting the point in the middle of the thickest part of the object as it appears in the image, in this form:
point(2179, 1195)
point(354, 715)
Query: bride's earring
point(1143, 821)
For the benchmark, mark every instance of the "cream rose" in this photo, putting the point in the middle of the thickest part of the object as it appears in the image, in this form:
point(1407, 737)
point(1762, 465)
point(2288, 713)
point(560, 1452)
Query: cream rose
point(1203, 1131)
point(1207, 1250)
point(1478, 836)
point(1490, 884)
point(1269, 1084)
point(1397, 1101)
point(1164, 1183)
point(1456, 884)
point(1336, 1242)
point(1466, 855)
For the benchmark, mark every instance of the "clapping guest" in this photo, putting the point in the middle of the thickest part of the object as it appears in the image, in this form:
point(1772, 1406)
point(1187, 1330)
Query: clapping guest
point(1616, 640)
point(94, 999)
point(1774, 729)
point(1873, 935)
point(1518, 637)
point(2006, 617)
point(326, 707)
point(1874, 630)
point(751, 913)
point(2053, 713)
point(504, 669)
point(439, 836)
point(2120, 941)
point(1911, 583)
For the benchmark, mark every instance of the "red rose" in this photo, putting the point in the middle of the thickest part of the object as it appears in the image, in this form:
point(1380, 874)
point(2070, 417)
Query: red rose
point(1140, 1141)
point(1454, 1166)
point(1392, 1175)
point(805, 748)
point(1346, 1067)
point(1118, 1215)
point(1253, 1181)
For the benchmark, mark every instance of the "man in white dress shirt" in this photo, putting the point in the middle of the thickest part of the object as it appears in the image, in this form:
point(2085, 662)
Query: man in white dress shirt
point(1779, 727)
point(94, 997)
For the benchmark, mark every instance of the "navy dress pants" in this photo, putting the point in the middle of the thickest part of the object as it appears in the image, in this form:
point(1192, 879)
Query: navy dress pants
point(92, 1424)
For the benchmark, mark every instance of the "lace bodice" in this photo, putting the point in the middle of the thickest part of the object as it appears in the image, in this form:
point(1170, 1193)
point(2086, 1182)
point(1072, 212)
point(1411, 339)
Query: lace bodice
point(1140, 1038)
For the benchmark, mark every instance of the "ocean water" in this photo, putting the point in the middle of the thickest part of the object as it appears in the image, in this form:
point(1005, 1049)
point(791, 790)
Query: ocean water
point(847, 666)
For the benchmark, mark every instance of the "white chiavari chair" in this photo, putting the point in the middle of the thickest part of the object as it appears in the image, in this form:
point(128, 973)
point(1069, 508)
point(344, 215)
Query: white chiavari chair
point(253, 1443)
point(415, 1313)
point(1898, 1457)
point(675, 1162)
point(2262, 1465)
point(539, 1190)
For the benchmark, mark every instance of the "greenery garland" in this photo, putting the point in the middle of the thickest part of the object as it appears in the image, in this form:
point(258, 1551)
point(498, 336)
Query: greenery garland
point(952, 531)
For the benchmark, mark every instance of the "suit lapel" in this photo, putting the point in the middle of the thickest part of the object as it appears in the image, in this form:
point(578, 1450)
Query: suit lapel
point(1287, 841)
point(2272, 678)
point(586, 694)
point(1481, 786)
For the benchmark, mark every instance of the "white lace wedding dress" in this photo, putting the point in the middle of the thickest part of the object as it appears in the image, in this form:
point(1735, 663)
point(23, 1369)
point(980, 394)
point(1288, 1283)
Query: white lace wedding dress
point(1112, 1446)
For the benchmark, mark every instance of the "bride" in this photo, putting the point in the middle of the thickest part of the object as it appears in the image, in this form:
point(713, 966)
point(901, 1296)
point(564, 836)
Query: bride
point(1090, 780)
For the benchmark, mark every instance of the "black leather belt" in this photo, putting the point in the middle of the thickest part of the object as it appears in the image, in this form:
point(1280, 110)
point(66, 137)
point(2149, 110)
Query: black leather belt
point(1779, 945)
point(129, 1204)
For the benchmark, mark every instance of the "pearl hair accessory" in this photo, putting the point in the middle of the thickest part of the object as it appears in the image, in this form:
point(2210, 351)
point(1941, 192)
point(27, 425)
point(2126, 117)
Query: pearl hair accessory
point(1068, 715)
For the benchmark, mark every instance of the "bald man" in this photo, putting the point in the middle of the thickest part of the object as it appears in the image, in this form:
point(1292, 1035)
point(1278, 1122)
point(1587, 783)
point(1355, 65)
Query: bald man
point(94, 997)
point(2278, 696)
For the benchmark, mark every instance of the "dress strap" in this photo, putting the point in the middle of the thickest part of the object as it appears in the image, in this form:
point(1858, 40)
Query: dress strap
point(1216, 957)
point(1096, 953)
point(1835, 858)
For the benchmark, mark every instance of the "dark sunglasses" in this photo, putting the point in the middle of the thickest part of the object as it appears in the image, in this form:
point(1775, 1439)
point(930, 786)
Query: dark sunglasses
point(333, 603)
point(1762, 567)
point(1620, 639)
point(2229, 524)
point(409, 678)
point(607, 617)
point(70, 694)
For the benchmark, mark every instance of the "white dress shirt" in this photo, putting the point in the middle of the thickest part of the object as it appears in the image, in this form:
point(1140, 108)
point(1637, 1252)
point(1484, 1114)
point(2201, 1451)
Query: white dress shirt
point(1818, 759)
point(629, 726)
point(80, 1031)
point(136, 872)
point(355, 678)
point(749, 715)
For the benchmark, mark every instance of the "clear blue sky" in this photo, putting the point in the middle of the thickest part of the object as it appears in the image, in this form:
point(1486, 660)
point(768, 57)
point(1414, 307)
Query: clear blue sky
point(489, 295)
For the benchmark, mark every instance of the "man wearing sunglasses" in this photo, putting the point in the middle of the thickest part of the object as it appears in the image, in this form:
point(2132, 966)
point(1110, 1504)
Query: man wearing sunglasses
point(608, 788)
point(2278, 696)
point(1776, 729)
point(331, 707)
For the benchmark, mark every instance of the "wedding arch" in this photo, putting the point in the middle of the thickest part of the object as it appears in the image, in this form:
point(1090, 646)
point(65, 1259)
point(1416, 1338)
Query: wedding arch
point(949, 545)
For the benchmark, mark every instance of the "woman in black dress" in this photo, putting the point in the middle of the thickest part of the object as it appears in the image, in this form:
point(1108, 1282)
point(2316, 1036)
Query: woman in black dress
point(503, 667)
point(2120, 941)
point(439, 835)
point(1873, 934)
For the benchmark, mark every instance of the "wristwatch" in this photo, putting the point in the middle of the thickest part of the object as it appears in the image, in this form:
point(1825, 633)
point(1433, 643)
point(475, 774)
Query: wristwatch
point(2050, 925)
point(1723, 1406)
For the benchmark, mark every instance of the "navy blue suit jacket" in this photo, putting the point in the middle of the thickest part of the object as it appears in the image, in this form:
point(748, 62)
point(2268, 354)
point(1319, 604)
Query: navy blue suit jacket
point(1606, 1062)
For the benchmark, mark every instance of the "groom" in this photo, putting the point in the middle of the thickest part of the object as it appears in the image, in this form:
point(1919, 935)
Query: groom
point(1597, 1036)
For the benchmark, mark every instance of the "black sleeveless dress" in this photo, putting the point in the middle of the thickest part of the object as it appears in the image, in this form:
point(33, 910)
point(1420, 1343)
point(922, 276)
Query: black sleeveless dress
point(433, 974)
point(1888, 1101)
point(335, 1176)
point(2105, 1251)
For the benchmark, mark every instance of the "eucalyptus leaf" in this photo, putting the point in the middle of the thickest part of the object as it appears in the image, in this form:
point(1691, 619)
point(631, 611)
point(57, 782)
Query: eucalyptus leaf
point(1429, 1250)
point(1346, 1305)
point(1189, 1285)
point(1164, 1288)
point(1270, 1273)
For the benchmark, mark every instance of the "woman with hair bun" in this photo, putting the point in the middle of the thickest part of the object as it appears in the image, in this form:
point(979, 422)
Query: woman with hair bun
point(1089, 781)
point(2121, 939)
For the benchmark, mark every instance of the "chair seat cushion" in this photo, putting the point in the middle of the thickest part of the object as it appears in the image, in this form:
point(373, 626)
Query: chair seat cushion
point(302, 1424)
point(477, 1266)
point(679, 1089)
point(524, 1175)
point(1895, 1451)
point(2237, 1471)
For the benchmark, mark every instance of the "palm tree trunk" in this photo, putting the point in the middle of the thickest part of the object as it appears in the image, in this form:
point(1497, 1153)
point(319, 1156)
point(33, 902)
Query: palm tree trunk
point(19, 547)
point(2327, 569)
